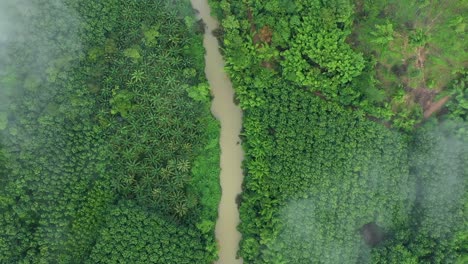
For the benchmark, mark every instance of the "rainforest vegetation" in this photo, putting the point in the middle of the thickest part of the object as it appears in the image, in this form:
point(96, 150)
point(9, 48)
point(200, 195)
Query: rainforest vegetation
point(108, 150)
point(355, 129)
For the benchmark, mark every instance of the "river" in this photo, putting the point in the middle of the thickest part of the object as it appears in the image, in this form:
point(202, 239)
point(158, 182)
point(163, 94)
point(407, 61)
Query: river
point(230, 117)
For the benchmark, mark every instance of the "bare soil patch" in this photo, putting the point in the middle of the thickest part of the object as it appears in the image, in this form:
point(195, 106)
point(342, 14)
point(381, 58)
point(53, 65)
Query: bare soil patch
point(423, 97)
point(265, 34)
point(436, 107)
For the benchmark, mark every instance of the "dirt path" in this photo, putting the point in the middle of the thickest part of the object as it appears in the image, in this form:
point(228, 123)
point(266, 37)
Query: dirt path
point(435, 107)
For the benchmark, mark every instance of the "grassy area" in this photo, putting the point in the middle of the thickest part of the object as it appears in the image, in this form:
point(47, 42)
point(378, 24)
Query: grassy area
point(418, 48)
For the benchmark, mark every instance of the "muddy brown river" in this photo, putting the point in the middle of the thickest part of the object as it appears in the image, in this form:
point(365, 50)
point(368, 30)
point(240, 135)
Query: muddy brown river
point(230, 117)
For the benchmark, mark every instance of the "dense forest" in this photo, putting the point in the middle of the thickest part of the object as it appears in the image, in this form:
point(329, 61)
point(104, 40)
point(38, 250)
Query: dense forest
point(355, 129)
point(108, 150)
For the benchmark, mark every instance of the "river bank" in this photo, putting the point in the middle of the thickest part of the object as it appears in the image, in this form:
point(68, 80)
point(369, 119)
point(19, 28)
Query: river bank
point(230, 117)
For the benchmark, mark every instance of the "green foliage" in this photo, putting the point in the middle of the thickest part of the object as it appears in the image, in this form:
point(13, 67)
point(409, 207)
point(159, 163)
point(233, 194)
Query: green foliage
point(458, 106)
point(383, 34)
point(418, 38)
point(133, 53)
point(459, 24)
point(321, 157)
point(200, 93)
point(205, 172)
point(328, 155)
point(151, 35)
point(147, 238)
point(205, 184)
point(121, 102)
point(100, 143)
point(413, 46)
point(3, 120)
point(437, 162)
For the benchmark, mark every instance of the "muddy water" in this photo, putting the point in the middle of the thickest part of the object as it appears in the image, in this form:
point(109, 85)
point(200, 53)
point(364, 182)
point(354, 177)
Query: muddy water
point(230, 116)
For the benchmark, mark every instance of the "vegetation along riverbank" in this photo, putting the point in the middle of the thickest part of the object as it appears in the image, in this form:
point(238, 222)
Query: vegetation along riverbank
point(355, 129)
point(347, 137)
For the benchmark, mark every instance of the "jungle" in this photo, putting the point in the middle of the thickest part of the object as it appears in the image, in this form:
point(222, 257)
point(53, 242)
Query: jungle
point(355, 129)
point(108, 150)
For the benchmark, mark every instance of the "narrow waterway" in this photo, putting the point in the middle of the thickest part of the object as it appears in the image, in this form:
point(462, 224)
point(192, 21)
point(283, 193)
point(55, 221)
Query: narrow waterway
point(230, 116)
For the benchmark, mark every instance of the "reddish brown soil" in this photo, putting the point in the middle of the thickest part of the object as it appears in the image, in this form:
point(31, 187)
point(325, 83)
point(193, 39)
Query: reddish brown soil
point(268, 64)
point(423, 97)
point(266, 34)
point(253, 28)
point(263, 36)
point(435, 107)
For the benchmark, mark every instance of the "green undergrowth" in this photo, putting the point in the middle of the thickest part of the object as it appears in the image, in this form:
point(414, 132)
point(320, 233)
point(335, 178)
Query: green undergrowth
point(206, 182)
point(416, 50)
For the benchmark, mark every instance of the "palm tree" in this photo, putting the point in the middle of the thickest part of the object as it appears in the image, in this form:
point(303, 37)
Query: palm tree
point(174, 194)
point(108, 80)
point(166, 173)
point(120, 62)
point(171, 81)
point(173, 145)
point(174, 40)
point(180, 179)
point(147, 179)
point(183, 165)
point(175, 61)
point(118, 184)
point(145, 138)
point(164, 119)
point(170, 23)
point(154, 158)
point(181, 209)
point(127, 183)
point(178, 136)
point(186, 62)
point(172, 164)
point(187, 146)
point(165, 133)
point(137, 76)
point(133, 167)
point(106, 92)
point(152, 117)
point(156, 193)
point(163, 60)
point(139, 191)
